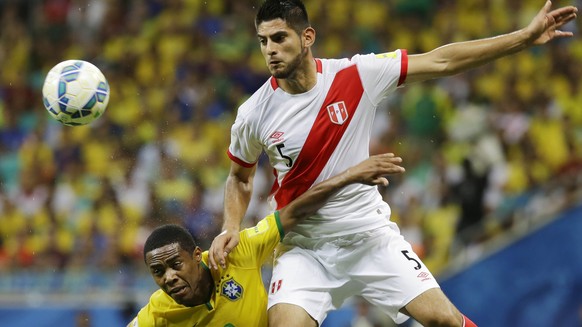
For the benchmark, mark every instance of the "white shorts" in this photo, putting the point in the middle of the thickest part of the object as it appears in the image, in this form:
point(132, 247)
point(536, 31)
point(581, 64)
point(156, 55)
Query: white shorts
point(320, 274)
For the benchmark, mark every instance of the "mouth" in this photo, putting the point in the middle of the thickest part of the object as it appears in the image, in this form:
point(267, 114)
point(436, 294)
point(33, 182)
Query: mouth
point(178, 291)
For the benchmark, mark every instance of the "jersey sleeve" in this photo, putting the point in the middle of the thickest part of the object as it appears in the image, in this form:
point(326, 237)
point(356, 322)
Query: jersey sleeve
point(382, 73)
point(258, 243)
point(155, 311)
point(244, 147)
point(146, 317)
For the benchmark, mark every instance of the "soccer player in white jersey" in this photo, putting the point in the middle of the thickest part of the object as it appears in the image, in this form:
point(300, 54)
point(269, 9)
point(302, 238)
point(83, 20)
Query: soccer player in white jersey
point(313, 119)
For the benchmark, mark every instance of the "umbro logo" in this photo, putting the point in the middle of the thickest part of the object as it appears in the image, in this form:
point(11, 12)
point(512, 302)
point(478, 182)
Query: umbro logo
point(423, 276)
point(277, 137)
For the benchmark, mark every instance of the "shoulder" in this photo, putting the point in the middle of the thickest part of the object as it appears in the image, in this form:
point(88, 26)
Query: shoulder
point(160, 298)
point(268, 232)
point(334, 65)
point(205, 259)
point(257, 100)
point(258, 241)
point(374, 58)
point(269, 225)
point(159, 301)
point(159, 304)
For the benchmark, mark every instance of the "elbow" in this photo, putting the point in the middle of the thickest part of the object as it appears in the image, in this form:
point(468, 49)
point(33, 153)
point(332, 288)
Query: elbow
point(291, 215)
point(445, 68)
point(444, 61)
point(297, 214)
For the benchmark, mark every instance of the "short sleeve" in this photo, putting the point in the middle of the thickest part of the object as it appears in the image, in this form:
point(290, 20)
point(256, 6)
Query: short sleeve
point(245, 147)
point(382, 73)
point(259, 242)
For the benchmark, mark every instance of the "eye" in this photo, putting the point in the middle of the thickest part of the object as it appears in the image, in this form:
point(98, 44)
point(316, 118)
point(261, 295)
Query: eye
point(278, 38)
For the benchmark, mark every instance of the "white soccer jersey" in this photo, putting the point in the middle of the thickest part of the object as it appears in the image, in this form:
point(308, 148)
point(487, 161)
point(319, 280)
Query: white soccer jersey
point(312, 136)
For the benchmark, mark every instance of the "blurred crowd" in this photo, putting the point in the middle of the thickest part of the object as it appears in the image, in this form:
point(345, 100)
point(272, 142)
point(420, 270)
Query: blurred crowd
point(486, 151)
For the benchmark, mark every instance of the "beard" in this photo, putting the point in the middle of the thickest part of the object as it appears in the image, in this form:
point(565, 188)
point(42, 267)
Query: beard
point(291, 68)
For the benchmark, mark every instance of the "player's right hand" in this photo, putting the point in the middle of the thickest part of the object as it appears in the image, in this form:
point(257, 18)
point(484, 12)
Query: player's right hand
point(221, 247)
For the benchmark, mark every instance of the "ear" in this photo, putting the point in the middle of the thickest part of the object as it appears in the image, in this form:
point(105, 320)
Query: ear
point(308, 37)
point(197, 254)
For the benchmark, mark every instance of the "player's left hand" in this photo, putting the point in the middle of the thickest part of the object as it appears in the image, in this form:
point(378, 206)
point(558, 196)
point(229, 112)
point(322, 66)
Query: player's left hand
point(545, 25)
point(372, 170)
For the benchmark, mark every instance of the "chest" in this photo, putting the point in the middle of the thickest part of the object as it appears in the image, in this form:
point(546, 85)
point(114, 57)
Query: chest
point(237, 301)
point(304, 126)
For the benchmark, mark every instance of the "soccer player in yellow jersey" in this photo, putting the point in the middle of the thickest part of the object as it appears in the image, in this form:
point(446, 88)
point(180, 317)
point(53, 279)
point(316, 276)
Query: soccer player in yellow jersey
point(191, 294)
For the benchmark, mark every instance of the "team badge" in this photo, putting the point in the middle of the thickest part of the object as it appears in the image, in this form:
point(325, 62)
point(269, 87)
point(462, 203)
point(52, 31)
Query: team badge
point(276, 285)
point(338, 112)
point(231, 290)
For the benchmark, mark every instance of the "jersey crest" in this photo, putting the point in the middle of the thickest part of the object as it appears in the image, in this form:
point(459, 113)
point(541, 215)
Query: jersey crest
point(231, 290)
point(337, 112)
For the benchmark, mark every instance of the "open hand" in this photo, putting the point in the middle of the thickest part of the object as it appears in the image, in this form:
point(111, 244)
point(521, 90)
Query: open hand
point(545, 26)
point(372, 170)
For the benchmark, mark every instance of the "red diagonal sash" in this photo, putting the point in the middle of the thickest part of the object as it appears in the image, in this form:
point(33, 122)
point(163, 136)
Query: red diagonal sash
point(323, 137)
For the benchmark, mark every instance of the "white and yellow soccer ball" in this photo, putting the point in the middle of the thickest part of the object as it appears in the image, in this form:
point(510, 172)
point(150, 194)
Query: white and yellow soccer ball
point(75, 92)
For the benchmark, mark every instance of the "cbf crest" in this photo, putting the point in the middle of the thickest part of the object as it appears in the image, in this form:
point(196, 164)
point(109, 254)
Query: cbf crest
point(231, 290)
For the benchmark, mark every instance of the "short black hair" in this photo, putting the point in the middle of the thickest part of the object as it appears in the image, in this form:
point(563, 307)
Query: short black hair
point(169, 234)
point(291, 11)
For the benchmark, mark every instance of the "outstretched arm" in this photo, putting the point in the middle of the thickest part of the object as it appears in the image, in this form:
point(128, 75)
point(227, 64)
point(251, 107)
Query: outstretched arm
point(370, 171)
point(457, 57)
point(237, 195)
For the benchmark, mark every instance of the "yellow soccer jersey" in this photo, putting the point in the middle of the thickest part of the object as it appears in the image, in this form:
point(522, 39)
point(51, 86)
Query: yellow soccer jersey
point(239, 298)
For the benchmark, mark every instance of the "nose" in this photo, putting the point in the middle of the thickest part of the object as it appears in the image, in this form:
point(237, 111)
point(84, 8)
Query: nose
point(170, 277)
point(270, 48)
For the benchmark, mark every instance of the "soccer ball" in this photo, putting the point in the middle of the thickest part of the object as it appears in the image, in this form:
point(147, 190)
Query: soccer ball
point(75, 92)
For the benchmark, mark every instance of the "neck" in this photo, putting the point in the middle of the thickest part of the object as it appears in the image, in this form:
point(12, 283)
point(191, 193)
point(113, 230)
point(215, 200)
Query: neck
point(205, 289)
point(302, 80)
point(208, 286)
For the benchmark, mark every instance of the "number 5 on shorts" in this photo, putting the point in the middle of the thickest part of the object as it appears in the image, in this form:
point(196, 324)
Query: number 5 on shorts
point(418, 265)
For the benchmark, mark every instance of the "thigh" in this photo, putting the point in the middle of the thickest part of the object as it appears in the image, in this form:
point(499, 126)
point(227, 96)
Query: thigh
point(299, 280)
point(392, 273)
point(290, 315)
point(433, 307)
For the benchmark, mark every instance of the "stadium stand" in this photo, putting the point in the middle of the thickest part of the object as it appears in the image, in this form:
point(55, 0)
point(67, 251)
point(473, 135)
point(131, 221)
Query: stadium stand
point(487, 153)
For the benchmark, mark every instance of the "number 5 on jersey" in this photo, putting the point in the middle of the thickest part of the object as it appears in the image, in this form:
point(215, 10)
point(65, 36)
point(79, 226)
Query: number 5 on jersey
point(289, 160)
point(418, 265)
